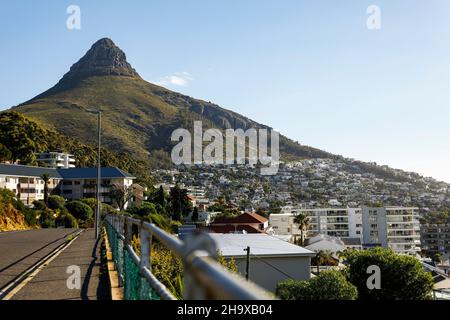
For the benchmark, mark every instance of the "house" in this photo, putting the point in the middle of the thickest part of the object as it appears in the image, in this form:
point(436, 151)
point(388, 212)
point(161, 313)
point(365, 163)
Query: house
point(271, 260)
point(72, 183)
point(248, 222)
point(322, 242)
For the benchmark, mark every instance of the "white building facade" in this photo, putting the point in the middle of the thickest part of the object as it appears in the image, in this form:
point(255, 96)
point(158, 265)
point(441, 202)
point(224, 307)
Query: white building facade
point(56, 160)
point(397, 228)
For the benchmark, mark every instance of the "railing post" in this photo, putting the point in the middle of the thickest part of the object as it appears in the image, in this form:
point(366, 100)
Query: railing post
point(128, 229)
point(192, 289)
point(146, 247)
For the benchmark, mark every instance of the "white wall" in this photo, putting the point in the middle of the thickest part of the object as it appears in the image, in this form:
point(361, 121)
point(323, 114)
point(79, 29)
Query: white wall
point(266, 274)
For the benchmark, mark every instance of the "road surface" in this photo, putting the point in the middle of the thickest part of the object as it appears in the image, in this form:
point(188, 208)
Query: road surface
point(51, 282)
point(19, 250)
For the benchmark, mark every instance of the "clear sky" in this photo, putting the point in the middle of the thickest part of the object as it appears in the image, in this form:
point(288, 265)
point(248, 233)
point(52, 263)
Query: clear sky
point(311, 69)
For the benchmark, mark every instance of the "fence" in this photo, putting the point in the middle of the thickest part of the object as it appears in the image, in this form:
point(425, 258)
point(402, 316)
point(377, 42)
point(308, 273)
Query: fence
point(203, 276)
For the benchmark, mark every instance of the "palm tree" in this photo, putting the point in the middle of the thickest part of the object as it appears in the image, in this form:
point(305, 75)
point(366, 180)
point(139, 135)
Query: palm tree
point(323, 257)
point(46, 179)
point(303, 221)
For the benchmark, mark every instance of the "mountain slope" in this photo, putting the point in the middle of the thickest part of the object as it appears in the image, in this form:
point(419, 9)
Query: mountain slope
point(138, 117)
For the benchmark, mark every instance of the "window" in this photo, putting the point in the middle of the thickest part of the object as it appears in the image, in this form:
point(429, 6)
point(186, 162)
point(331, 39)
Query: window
point(358, 232)
point(77, 183)
point(67, 191)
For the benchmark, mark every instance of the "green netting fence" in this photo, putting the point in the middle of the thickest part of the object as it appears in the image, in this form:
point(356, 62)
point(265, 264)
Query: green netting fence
point(136, 286)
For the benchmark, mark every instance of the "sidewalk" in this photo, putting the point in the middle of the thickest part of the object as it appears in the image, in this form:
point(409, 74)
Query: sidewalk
point(51, 282)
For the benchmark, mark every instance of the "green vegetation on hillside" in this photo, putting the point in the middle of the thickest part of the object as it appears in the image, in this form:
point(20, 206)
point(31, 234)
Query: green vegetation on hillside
point(21, 137)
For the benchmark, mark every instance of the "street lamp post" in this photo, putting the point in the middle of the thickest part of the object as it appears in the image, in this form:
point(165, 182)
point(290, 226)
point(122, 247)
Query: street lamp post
point(98, 209)
point(98, 213)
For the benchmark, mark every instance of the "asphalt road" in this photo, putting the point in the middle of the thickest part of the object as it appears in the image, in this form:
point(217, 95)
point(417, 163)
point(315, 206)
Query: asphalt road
point(21, 249)
point(51, 282)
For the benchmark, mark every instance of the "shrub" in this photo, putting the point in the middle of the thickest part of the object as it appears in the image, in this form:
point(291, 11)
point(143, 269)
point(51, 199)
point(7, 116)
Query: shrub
point(328, 285)
point(39, 205)
point(402, 277)
point(66, 220)
point(56, 202)
point(80, 210)
point(46, 218)
point(143, 210)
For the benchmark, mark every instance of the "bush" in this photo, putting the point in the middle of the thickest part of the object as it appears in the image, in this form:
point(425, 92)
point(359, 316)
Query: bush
point(143, 210)
point(402, 277)
point(80, 210)
point(328, 285)
point(46, 218)
point(39, 205)
point(56, 202)
point(67, 220)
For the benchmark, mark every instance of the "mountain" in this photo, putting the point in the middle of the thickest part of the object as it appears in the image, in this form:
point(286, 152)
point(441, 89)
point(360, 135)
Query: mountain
point(138, 116)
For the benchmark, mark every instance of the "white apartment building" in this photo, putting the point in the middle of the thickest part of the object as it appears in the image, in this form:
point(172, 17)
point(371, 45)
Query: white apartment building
point(56, 160)
point(72, 183)
point(335, 222)
point(397, 228)
point(26, 182)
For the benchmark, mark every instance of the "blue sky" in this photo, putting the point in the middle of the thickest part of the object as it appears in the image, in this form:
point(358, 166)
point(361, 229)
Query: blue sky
point(310, 69)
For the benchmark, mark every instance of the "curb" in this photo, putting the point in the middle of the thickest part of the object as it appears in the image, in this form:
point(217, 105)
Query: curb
point(116, 289)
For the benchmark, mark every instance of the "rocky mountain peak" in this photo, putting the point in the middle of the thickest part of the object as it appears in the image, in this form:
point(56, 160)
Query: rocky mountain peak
point(103, 58)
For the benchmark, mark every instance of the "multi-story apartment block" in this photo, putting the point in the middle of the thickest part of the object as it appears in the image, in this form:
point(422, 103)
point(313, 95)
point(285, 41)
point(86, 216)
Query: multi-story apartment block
point(26, 182)
point(56, 159)
point(73, 183)
point(80, 183)
point(435, 238)
point(397, 228)
point(335, 222)
point(393, 227)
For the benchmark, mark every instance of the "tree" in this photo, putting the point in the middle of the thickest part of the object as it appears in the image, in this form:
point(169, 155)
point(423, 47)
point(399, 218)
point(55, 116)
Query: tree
point(402, 277)
point(46, 218)
point(328, 285)
point(160, 197)
point(121, 195)
point(323, 258)
point(195, 214)
point(39, 205)
point(80, 210)
point(66, 220)
point(180, 204)
point(56, 202)
point(46, 179)
point(437, 257)
point(143, 210)
point(20, 137)
point(5, 154)
point(303, 221)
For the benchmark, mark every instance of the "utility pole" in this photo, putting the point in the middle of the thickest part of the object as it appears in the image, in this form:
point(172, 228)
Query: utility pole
point(98, 112)
point(247, 266)
point(98, 211)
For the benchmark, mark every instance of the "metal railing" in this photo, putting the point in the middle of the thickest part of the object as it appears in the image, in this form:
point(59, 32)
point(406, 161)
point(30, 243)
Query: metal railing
point(203, 277)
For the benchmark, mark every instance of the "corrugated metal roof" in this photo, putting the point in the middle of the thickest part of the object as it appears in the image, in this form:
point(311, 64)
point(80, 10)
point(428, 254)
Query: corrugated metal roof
point(260, 245)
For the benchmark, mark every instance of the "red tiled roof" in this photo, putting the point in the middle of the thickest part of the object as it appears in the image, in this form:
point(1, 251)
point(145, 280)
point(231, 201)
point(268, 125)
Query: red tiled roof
point(231, 228)
point(245, 218)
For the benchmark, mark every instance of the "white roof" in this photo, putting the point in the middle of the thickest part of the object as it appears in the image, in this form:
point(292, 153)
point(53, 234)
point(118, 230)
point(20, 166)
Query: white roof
point(260, 244)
